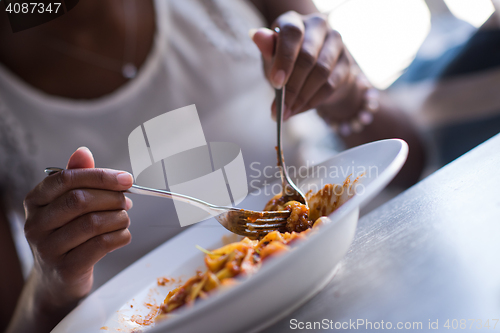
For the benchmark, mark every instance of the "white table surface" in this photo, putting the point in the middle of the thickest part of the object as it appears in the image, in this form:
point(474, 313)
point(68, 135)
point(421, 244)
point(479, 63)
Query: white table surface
point(430, 254)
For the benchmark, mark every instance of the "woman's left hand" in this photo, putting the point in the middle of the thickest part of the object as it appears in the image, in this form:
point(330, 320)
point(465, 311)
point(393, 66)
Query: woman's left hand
point(308, 57)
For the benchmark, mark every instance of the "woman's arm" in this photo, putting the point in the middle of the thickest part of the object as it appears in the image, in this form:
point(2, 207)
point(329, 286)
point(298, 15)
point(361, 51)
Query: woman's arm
point(11, 280)
point(35, 310)
point(15, 180)
point(390, 122)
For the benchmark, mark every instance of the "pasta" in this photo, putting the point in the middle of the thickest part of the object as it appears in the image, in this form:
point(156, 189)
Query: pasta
point(224, 265)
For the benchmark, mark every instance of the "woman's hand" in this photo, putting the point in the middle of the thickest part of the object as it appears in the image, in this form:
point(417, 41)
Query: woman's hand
point(309, 58)
point(73, 219)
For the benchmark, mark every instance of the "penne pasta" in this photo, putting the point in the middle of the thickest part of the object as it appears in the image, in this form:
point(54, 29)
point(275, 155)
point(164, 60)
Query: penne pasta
point(226, 264)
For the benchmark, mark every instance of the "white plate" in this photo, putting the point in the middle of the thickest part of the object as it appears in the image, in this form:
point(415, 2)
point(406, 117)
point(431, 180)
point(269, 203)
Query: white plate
point(283, 283)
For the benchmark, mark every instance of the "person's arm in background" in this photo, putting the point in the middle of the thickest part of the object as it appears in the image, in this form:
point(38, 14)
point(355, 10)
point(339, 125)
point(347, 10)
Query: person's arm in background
point(318, 71)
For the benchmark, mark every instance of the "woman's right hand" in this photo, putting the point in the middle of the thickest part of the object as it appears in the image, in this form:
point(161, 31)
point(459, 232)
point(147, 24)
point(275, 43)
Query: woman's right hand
point(73, 219)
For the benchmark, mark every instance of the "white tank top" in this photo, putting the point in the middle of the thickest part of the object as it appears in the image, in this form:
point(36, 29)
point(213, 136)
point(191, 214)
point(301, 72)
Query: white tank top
point(202, 55)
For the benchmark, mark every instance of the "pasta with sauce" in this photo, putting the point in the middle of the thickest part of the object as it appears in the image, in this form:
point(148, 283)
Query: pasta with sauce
point(245, 257)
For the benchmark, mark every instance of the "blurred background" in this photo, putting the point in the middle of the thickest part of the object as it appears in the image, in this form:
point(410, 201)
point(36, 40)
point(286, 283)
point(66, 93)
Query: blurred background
point(385, 37)
point(398, 29)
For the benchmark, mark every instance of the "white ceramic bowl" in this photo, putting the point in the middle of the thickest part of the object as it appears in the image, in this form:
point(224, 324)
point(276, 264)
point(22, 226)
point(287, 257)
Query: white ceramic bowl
point(280, 286)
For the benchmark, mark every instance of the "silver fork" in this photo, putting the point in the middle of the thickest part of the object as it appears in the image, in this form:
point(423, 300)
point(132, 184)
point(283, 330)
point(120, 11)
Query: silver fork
point(249, 223)
point(290, 191)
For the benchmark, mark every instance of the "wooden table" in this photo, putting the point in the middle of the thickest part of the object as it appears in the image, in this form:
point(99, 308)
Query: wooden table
point(430, 254)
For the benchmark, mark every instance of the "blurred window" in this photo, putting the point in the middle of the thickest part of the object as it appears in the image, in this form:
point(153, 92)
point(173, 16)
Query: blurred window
point(385, 35)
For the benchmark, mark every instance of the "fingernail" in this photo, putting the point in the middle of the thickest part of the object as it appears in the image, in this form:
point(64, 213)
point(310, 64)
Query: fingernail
point(129, 203)
point(279, 79)
point(125, 179)
point(252, 33)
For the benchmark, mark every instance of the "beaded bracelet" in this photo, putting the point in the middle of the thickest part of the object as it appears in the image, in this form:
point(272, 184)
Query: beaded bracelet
point(364, 116)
